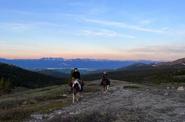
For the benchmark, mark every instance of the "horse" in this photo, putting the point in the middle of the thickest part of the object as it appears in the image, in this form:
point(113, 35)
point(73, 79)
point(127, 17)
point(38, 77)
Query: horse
point(76, 88)
point(105, 83)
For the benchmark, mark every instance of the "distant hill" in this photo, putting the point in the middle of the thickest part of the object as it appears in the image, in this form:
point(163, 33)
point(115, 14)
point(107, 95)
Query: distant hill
point(164, 72)
point(137, 66)
point(60, 63)
point(16, 76)
point(179, 62)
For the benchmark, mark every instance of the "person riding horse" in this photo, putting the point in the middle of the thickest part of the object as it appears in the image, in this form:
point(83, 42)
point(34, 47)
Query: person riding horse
point(105, 82)
point(76, 84)
point(75, 75)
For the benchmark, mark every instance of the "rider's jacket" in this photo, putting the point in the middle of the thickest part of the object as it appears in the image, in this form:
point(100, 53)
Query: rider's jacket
point(75, 75)
point(105, 80)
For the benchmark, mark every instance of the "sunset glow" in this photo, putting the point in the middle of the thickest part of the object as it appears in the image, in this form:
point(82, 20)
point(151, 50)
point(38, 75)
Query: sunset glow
point(99, 29)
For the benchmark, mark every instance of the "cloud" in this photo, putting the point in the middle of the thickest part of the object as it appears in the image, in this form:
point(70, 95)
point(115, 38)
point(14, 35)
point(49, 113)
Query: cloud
point(21, 27)
point(158, 52)
point(145, 22)
point(177, 32)
point(100, 33)
point(160, 49)
point(105, 33)
point(125, 25)
point(15, 26)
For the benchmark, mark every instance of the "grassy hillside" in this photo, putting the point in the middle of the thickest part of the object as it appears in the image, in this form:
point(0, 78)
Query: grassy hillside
point(12, 76)
point(54, 73)
point(175, 73)
point(17, 106)
point(155, 75)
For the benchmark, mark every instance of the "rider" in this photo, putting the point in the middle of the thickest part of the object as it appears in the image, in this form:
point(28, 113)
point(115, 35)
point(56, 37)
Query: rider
point(75, 74)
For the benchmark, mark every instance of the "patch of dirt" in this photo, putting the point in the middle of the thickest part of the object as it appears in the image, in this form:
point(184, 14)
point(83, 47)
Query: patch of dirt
point(125, 102)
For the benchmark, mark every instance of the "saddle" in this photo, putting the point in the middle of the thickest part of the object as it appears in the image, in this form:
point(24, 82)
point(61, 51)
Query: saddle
point(76, 83)
point(105, 82)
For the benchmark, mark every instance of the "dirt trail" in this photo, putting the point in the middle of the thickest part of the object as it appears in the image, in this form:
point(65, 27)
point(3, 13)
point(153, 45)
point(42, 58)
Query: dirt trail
point(125, 102)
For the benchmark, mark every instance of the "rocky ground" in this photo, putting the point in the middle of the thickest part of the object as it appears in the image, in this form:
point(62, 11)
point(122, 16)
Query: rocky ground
point(124, 102)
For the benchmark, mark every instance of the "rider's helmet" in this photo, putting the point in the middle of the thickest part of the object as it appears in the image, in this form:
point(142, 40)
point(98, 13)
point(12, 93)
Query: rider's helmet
point(75, 69)
point(105, 73)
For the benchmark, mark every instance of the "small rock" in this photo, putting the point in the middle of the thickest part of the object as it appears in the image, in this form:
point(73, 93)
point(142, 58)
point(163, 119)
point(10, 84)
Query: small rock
point(166, 94)
point(37, 116)
point(168, 87)
point(59, 112)
point(32, 101)
point(25, 103)
point(180, 88)
point(64, 95)
point(51, 116)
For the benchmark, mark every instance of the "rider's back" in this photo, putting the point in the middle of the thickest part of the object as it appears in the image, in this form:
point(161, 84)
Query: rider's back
point(75, 74)
point(105, 80)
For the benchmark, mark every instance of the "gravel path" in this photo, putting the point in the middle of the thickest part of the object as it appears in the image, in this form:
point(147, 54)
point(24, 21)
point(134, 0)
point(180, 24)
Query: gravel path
point(125, 102)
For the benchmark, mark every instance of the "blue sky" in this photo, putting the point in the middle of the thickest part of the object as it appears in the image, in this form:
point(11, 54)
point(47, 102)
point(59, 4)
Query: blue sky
point(102, 29)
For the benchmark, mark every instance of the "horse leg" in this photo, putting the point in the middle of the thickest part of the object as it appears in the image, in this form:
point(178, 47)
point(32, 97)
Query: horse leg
point(107, 87)
point(77, 96)
point(73, 97)
point(104, 89)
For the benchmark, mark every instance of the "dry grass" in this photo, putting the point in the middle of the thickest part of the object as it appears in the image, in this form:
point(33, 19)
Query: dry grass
point(17, 106)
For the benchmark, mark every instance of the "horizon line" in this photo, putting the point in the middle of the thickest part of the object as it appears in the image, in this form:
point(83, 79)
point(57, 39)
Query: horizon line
point(36, 58)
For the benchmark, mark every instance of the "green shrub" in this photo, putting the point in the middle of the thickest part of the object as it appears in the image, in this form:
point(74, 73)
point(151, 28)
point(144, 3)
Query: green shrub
point(5, 85)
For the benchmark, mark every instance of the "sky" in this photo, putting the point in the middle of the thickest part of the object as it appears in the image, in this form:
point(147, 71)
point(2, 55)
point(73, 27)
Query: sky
point(99, 29)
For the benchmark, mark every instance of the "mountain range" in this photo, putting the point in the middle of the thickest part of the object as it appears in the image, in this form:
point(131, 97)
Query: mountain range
point(61, 63)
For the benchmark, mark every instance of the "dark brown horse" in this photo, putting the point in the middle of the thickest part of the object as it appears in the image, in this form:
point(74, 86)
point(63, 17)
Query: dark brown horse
point(105, 83)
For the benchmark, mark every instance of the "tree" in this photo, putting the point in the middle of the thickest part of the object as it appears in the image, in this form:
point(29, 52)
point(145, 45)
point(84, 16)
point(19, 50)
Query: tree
point(5, 85)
